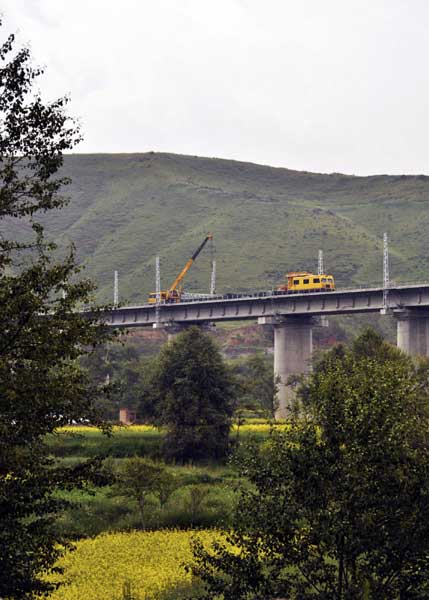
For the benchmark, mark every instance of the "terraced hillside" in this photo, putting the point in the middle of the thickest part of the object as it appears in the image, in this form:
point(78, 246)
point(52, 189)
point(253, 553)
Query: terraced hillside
point(127, 208)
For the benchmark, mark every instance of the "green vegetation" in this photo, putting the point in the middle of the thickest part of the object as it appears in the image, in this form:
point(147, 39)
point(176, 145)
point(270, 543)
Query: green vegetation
point(127, 367)
point(73, 443)
point(256, 388)
point(191, 393)
point(138, 478)
point(131, 367)
point(43, 336)
point(90, 443)
point(338, 504)
point(125, 209)
point(200, 495)
point(334, 504)
point(204, 496)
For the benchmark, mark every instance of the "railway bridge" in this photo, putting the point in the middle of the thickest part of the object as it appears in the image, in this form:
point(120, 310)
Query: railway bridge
point(293, 317)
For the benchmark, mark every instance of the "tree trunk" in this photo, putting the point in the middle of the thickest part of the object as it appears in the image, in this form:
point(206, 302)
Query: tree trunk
point(341, 568)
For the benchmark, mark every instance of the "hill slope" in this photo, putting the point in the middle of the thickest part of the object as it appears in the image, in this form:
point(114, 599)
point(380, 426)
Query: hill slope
point(125, 209)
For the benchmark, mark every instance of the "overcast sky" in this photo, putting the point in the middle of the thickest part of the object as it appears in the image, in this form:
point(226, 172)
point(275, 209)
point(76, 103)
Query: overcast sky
point(317, 85)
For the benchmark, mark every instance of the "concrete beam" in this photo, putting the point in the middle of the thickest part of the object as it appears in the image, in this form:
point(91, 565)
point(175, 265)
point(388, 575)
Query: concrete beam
point(293, 346)
point(413, 331)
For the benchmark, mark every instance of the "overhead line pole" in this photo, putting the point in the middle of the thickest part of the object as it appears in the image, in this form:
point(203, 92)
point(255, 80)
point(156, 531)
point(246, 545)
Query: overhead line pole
point(386, 282)
point(213, 273)
point(320, 263)
point(213, 278)
point(115, 289)
point(320, 271)
point(158, 289)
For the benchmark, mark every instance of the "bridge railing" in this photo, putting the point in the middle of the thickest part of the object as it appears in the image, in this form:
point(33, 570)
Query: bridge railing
point(273, 292)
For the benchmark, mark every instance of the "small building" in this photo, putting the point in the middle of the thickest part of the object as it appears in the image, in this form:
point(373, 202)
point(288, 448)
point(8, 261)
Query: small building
point(127, 416)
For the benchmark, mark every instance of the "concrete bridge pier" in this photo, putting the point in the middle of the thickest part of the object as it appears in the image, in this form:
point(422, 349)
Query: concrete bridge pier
point(413, 331)
point(293, 346)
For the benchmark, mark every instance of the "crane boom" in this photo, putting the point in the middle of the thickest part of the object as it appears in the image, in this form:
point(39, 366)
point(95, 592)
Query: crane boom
point(188, 265)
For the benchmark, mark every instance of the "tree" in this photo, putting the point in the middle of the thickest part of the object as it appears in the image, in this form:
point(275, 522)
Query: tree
point(126, 370)
point(139, 477)
point(42, 334)
point(257, 385)
point(192, 394)
point(338, 506)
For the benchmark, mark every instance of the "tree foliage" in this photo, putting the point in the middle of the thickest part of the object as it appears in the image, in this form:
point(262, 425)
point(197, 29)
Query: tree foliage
point(42, 337)
point(257, 387)
point(139, 478)
point(338, 505)
point(126, 369)
point(191, 392)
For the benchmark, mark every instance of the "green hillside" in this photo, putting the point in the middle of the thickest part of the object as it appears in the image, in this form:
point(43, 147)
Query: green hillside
point(127, 208)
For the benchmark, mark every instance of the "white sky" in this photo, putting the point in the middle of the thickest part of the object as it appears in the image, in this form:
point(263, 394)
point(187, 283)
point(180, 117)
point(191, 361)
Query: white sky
point(317, 85)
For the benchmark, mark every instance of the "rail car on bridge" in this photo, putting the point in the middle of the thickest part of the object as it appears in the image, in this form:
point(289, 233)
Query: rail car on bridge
point(300, 282)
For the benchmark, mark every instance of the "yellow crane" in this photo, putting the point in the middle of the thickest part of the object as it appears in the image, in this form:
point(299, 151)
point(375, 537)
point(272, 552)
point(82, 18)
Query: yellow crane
point(174, 292)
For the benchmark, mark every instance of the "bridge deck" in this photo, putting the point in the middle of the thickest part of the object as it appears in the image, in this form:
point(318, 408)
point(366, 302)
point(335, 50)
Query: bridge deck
point(268, 304)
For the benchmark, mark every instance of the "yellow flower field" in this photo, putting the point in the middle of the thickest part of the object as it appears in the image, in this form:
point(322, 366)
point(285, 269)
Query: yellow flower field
point(152, 561)
point(116, 429)
point(261, 427)
point(142, 429)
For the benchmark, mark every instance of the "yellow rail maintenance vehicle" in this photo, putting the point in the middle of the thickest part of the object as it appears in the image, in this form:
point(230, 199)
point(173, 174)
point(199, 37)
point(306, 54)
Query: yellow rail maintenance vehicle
point(302, 282)
point(174, 293)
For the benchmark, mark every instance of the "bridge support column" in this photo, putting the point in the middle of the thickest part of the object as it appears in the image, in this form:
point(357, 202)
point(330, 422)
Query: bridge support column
point(293, 346)
point(413, 331)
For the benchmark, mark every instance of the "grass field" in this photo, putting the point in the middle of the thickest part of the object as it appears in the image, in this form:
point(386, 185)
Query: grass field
point(205, 497)
point(150, 563)
point(141, 440)
point(205, 494)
